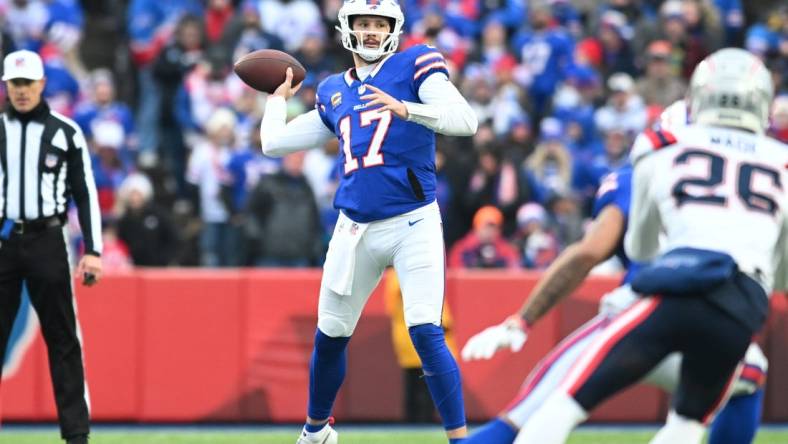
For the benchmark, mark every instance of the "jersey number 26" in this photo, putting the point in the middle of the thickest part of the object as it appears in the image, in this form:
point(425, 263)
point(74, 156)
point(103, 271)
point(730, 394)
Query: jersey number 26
point(746, 174)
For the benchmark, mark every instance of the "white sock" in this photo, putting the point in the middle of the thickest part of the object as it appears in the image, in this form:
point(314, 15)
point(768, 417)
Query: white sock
point(553, 421)
point(679, 430)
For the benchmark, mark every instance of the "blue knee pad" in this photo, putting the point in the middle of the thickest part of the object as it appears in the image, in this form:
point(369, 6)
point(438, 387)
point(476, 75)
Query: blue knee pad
point(738, 421)
point(326, 373)
point(440, 373)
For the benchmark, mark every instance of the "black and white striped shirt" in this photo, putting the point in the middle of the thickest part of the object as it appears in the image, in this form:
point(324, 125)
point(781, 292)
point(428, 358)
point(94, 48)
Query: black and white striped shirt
point(44, 161)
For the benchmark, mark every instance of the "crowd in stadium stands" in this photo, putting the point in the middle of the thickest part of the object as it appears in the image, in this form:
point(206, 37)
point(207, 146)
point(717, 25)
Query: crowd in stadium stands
point(561, 88)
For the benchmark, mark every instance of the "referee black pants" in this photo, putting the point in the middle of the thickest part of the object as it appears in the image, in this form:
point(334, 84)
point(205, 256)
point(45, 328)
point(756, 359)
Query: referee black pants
point(40, 260)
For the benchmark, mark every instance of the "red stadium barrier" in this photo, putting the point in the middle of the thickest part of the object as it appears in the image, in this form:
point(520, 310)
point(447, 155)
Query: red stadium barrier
point(210, 345)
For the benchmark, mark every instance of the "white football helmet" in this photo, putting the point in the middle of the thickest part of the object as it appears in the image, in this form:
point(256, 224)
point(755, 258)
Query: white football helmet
point(383, 8)
point(731, 87)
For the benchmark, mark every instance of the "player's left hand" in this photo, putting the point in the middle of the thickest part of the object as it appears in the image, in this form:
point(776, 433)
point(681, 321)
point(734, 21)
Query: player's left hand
point(378, 97)
point(511, 333)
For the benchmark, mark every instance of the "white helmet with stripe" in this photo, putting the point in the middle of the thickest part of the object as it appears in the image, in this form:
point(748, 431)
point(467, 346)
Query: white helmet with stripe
point(731, 87)
point(383, 8)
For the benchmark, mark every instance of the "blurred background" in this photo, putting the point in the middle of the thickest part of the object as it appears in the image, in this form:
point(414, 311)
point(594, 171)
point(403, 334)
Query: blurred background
point(560, 87)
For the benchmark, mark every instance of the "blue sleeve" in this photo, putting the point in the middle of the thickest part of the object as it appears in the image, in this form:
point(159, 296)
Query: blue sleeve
point(615, 189)
point(321, 107)
point(423, 61)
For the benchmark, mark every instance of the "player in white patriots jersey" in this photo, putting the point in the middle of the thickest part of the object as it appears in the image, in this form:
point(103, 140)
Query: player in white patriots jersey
point(716, 191)
point(736, 424)
point(385, 112)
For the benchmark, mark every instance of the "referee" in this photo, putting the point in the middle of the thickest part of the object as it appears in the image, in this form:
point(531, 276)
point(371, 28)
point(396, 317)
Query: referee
point(44, 161)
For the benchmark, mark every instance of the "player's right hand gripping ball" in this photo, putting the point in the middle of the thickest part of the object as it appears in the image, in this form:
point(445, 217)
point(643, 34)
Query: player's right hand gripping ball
point(264, 69)
point(511, 333)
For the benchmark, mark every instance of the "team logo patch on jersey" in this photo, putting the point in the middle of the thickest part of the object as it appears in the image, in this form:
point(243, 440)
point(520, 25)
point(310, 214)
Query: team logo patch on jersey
point(362, 89)
point(336, 100)
point(50, 160)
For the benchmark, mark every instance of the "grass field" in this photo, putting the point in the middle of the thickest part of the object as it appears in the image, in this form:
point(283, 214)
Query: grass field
point(581, 437)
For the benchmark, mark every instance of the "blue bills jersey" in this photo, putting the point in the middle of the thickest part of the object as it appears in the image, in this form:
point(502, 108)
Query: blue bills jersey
point(387, 165)
point(616, 189)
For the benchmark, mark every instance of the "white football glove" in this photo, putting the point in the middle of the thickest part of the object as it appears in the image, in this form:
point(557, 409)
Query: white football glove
point(511, 333)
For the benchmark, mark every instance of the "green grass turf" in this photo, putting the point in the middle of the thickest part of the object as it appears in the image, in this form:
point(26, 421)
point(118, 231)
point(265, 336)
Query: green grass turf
point(582, 437)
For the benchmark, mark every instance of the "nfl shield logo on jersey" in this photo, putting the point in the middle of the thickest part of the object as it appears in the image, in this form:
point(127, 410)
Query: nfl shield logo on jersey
point(50, 160)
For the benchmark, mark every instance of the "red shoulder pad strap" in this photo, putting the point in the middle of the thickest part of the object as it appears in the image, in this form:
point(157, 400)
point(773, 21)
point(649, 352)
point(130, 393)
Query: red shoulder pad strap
point(660, 138)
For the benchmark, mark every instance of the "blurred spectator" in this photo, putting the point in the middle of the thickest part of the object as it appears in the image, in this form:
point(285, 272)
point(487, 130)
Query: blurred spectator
point(494, 45)
point(25, 21)
point(779, 119)
point(100, 105)
point(246, 165)
point(115, 255)
point(732, 17)
point(108, 169)
point(319, 168)
point(290, 20)
point(518, 141)
point(703, 25)
point(62, 88)
point(484, 246)
point(497, 181)
point(146, 228)
point(685, 25)
point(283, 221)
point(590, 170)
point(614, 37)
point(575, 104)
point(207, 87)
point(218, 14)
point(538, 247)
point(245, 33)
point(508, 12)
point(550, 165)
point(208, 171)
point(568, 16)
point(566, 217)
point(459, 15)
point(151, 24)
point(660, 86)
point(175, 61)
point(624, 108)
point(432, 30)
point(545, 52)
point(313, 56)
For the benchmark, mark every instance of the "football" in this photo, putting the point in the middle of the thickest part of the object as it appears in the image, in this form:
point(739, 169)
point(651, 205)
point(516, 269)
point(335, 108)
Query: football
point(264, 69)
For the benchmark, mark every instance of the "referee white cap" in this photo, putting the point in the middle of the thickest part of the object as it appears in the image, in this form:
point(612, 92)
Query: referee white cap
point(23, 64)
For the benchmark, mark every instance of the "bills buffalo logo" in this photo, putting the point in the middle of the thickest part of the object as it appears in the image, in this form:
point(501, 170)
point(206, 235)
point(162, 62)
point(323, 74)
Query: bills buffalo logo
point(373, 2)
point(19, 62)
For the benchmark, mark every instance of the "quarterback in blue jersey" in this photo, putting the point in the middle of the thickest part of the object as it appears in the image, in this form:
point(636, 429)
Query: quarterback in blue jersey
point(385, 112)
point(736, 423)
